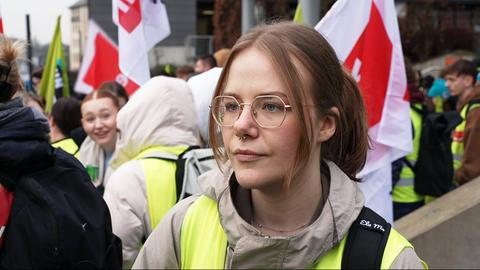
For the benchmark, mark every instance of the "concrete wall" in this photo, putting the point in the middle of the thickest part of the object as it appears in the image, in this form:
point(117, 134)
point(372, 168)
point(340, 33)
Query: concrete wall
point(446, 232)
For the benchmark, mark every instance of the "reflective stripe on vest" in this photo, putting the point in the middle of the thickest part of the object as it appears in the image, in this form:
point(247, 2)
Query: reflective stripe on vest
point(404, 191)
point(68, 145)
point(159, 181)
point(457, 142)
point(203, 243)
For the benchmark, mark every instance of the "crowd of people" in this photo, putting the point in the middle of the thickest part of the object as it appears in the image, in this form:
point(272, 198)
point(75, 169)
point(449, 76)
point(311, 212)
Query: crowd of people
point(287, 126)
point(455, 90)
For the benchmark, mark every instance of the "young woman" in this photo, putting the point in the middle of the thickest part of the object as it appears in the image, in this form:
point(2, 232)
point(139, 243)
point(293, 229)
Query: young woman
point(293, 136)
point(99, 120)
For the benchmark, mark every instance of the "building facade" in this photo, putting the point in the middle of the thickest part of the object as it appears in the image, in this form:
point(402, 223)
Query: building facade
point(79, 29)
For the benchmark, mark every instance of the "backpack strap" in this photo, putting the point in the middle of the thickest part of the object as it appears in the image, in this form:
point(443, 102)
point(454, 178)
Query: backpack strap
point(180, 172)
point(409, 164)
point(180, 167)
point(420, 109)
point(471, 103)
point(366, 241)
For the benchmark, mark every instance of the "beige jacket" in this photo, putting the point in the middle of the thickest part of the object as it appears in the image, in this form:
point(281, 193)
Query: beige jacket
point(161, 113)
point(248, 248)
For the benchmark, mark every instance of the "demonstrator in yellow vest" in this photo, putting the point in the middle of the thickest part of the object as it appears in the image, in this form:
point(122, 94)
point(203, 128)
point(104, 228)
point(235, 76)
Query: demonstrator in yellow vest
point(404, 197)
point(293, 136)
point(461, 77)
point(64, 118)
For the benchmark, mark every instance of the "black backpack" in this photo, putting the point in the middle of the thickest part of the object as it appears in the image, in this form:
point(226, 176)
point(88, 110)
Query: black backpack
point(59, 220)
point(434, 166)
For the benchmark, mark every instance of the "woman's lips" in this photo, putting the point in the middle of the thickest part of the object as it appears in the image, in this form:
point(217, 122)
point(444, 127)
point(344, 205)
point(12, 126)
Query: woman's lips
point(246, 155)
point(101, 135)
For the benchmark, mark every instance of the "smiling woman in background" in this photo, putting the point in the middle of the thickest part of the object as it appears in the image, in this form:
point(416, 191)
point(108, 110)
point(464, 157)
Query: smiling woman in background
point(99, 120)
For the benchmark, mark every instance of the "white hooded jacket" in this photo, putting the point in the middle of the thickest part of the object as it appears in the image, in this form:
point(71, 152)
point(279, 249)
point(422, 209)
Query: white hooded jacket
point(161, 113)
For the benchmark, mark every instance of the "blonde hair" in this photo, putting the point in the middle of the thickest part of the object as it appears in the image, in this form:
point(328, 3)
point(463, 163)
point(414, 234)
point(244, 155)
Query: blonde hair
point(311, 72)
point(10, 52)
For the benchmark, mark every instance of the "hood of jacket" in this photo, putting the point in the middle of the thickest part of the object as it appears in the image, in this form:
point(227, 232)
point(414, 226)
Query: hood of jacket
point(343, 205)
point(160, 113)
point(24, 142)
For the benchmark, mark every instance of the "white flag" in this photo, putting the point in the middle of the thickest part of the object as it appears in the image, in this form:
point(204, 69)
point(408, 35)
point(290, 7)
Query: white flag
point(141, 25)
point(366, 38)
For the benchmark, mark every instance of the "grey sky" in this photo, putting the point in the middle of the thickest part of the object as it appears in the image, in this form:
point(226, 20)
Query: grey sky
point(43, 14)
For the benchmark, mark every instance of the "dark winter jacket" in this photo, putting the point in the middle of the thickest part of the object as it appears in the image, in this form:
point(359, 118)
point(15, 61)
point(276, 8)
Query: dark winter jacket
point(58, 219)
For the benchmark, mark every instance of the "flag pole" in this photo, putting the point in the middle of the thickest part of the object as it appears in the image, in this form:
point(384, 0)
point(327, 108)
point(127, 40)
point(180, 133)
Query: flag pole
point(29, 47)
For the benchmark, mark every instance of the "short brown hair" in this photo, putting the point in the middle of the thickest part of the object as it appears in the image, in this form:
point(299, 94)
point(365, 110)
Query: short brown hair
point(311, 72)
point(66, 114)
point(463, 67)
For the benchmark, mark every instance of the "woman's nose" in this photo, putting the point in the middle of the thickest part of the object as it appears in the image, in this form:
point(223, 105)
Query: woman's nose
point(245, 124)
point(98, 122)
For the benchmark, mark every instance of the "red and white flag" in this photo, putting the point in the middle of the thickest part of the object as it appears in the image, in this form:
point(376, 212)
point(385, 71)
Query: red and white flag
point(100, 63)
point(141, 25)
point(366, 38)
point(6, 201)
point(1, 20)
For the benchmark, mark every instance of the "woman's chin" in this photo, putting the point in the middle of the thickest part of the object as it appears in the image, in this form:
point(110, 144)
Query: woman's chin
point(104, 142)
point(251, 179)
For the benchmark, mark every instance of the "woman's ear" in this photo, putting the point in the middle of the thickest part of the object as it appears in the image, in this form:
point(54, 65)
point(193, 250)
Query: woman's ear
point(51, 121)
point(327, 125)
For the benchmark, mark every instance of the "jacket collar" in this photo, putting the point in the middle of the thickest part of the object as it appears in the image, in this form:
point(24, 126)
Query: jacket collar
point(303, 249)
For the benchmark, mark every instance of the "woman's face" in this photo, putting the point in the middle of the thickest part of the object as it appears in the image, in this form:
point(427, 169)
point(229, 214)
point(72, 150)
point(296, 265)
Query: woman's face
point(99, 120)
point(262, 159)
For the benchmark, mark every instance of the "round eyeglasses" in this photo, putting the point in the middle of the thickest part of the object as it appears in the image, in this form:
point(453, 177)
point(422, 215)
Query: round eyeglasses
point(269, 111)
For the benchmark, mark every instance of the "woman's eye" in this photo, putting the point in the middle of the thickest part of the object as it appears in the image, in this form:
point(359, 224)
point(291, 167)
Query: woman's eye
point(231, 107)
point(105, 116)
point(90, 119)
point(271, 107)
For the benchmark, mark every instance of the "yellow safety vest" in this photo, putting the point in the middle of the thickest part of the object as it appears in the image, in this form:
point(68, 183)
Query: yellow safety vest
point(403, 191)
point(160, 180)
point(457, 143)
point(68, 145)
point(203, 243)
